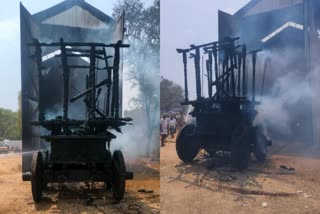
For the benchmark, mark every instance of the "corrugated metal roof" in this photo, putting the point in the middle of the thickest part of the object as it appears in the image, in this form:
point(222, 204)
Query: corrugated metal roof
point(260, 6)
point(76, 17)
point(269, 5)
point(56, 13)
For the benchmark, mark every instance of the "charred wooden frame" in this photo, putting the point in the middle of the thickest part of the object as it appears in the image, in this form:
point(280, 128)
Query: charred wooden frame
point(80, 148)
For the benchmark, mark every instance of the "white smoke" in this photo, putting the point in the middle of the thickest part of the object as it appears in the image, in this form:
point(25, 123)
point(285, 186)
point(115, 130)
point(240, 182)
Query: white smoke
point(287, 91)
point(144, 81)
point(293, 92)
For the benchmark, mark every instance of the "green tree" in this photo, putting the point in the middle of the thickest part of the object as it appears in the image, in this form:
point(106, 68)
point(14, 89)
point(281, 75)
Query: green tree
point(171, 95)
point(143, 57)
point(8, 124)
point(19, 117)
point(11, 123)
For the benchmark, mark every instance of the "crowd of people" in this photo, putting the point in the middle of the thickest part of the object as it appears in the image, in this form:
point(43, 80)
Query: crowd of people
point(169, 126)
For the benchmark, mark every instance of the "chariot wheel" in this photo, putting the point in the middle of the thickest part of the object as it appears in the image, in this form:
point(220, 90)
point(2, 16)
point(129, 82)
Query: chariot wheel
point(261, 145)
point(240, 147)
point(186, 145)
point(119, 175)
point(37, 180)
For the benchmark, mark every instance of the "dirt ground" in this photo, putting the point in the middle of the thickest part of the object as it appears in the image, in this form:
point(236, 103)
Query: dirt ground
point(15, 195)
point(211, 186)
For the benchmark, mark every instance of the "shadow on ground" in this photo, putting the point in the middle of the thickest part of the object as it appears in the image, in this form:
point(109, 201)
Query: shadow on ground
point(216, 174)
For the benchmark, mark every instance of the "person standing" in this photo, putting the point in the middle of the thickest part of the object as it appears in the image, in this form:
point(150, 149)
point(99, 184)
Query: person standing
point(164, 126)
point(173, 126)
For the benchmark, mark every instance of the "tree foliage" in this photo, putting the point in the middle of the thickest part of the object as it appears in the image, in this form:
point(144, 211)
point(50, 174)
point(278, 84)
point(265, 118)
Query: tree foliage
point(171, 95)
point(19, 116)
point(143, 57)
point(8, 124)
point(142, 24)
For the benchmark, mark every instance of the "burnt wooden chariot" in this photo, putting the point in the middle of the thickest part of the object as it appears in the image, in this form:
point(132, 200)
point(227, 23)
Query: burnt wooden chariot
point(80, 148)
point(224, 119)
